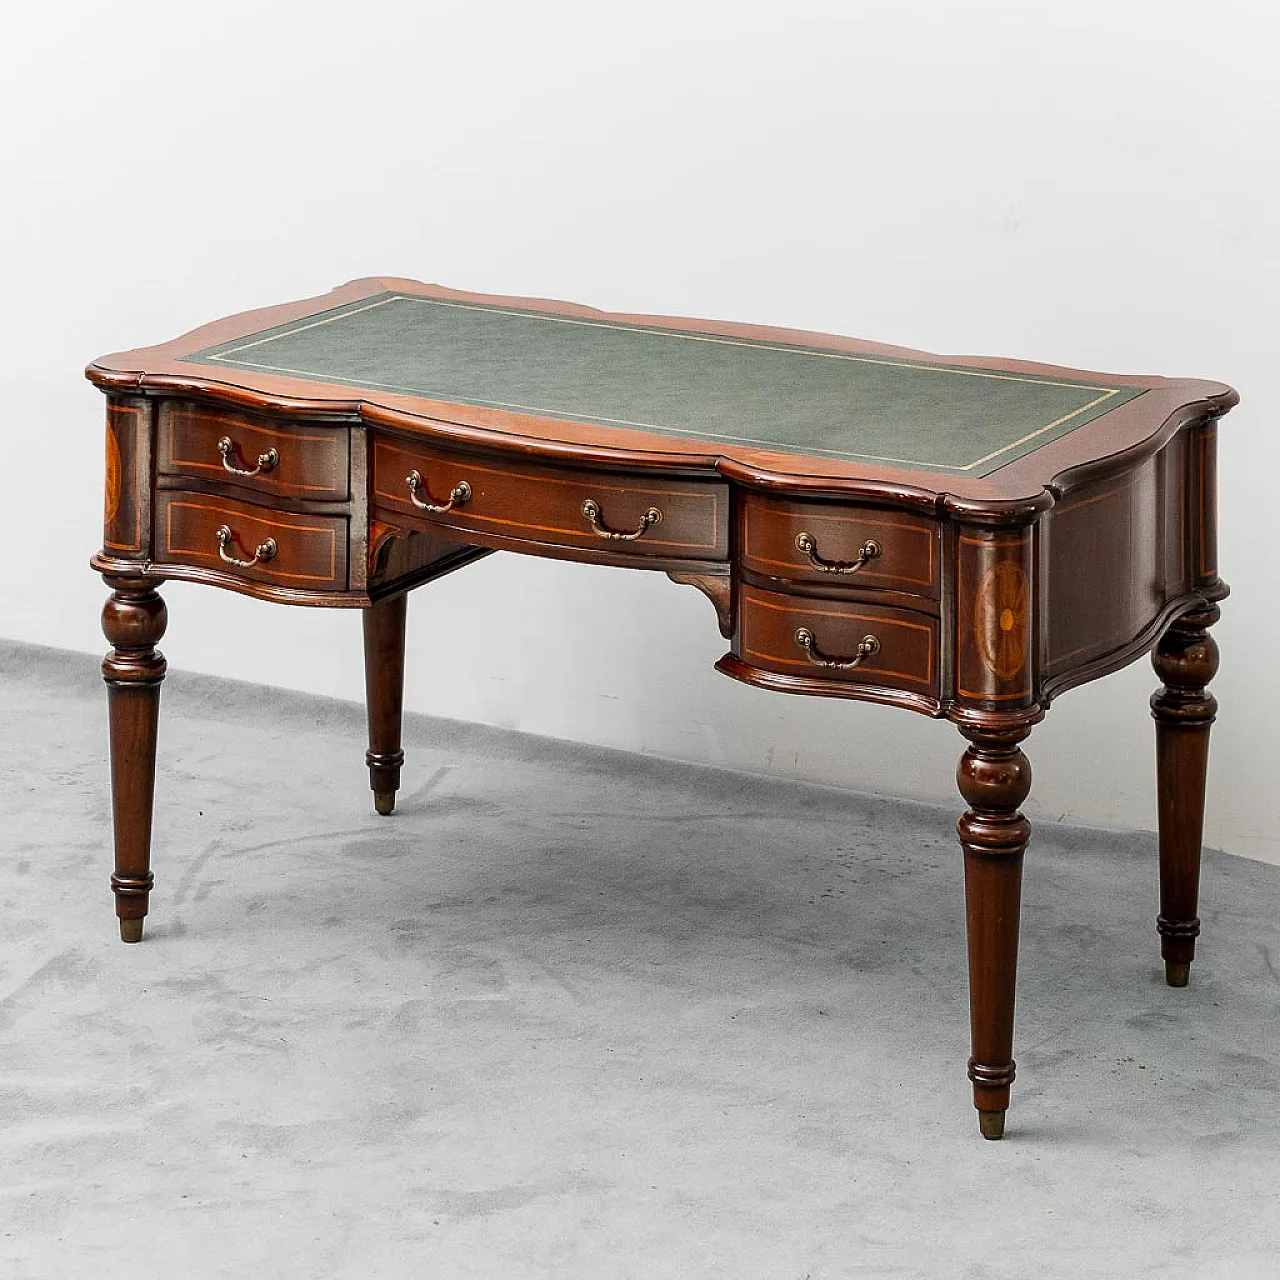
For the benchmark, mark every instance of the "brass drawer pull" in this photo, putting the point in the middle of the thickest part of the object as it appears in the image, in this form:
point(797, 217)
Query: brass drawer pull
point(266, 461)
point(460, 493)
point(591, 509)
point(868, 647)
point(266, 550)
point(869, 550)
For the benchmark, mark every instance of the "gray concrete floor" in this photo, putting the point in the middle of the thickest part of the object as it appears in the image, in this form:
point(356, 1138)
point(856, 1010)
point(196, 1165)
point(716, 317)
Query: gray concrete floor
point(574, 1013)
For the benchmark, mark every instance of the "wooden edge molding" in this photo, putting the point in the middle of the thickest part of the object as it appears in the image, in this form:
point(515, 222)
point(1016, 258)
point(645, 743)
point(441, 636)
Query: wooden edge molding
point(768, 472)
point(1106, 445)
point(735, 667)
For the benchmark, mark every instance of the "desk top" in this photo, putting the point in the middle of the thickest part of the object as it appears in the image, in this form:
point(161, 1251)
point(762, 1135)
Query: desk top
point(563, 376)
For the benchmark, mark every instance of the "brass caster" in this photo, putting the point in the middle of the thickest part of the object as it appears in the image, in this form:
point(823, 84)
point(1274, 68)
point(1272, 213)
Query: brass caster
point(131, 930)
point(384, 802)
point(1177, 975)
point(992, 1124)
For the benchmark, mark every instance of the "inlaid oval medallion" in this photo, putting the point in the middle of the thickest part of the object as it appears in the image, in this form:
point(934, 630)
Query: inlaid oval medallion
point(112, 489)
point(1000, 620)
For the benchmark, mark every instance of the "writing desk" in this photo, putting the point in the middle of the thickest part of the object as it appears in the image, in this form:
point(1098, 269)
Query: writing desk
point(966, 538)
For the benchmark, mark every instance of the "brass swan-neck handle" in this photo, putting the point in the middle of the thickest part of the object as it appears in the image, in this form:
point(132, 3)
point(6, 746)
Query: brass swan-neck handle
point(870, 550)
point(868, 647)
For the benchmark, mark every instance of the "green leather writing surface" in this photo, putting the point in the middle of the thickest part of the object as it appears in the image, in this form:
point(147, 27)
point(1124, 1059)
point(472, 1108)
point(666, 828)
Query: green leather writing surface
point(726, 391)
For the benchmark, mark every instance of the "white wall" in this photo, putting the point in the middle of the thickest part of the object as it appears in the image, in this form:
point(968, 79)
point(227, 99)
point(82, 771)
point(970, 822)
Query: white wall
point(1088, 184)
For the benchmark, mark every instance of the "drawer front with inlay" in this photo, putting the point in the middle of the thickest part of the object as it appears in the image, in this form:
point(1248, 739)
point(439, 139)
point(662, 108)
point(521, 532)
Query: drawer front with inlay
point(212, 444)
point(600, 510)
point(798, 635)
point(818, 542)
point(306, 553)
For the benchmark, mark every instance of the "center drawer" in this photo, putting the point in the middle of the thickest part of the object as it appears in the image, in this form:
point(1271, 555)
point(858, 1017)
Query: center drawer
point(601, 509)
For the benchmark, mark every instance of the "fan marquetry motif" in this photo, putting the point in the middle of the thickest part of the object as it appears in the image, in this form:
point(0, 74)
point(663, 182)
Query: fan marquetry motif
point(1000, 618)
point(112, 488)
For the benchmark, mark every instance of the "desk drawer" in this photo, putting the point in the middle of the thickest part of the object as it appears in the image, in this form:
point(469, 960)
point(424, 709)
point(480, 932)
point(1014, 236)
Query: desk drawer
point(602, 510)
point(304, 552)
point(904, 654)
point(821, 542)
point(212, 444)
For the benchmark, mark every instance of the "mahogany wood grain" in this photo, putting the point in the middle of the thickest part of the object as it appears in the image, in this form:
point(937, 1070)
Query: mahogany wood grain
point(310, 464)
point(909, 544)
point(133, 620)
point(545, 504)
point(1186, 659)
point(311, 551)
point(397, 556)
point(995, 778)
point(907, 659)
point(126, 513)
point(1110, 443)
point(991, 594)
point(717, 587)
point(996, 618)
point(384, 624)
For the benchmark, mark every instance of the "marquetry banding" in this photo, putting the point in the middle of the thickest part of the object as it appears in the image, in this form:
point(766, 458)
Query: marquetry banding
point(332, 445)
point(171, 544)
point(801, 609)
point(580, 486)
point(865, 524)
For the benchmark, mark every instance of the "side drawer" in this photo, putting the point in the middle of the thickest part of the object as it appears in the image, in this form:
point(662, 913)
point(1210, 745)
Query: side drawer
point(534, 502)
point(303, 552)
point(205, 443)
point(821, 542)
point(906, 642)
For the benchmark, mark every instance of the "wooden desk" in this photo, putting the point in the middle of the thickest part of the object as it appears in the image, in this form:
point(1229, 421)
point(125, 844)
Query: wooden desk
point(966, 538)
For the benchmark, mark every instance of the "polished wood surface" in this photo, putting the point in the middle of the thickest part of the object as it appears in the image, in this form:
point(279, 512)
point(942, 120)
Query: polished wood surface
point(994, 777)
point(978, 598)
point(908, 642)
point(133, 620)
point(512, 501)
point(300, 551)
point(823, 543)
point(261, 457)
point(1186, 659)
point(384, 626)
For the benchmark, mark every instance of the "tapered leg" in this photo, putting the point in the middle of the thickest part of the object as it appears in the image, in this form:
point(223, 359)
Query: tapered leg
point(384, 696)
point(1186, 659)
point(994, 777)
point(133, 620)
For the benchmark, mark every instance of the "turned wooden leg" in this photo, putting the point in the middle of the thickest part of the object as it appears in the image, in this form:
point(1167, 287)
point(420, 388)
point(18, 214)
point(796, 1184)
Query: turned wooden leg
point(1186, 659)
point(384, 697)
point(994, 777)
point(133, 619)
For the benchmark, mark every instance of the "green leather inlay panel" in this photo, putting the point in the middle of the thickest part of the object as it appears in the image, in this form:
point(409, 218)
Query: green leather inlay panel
point(727, 391)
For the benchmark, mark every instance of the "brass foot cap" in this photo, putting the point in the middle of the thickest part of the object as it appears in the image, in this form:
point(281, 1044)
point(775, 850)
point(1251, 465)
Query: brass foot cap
point(131, 930)
point(992, 1124)
point(1177, 975)
point(384, 802)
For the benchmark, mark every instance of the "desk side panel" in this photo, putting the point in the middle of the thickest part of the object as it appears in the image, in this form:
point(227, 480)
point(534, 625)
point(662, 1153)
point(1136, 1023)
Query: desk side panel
point(1124, 554)
point(126, 524)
